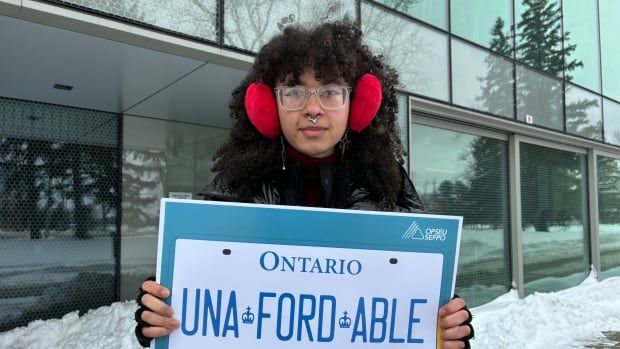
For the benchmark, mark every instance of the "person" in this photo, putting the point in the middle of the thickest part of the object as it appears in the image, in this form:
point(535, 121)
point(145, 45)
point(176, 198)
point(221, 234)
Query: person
point(314, 125)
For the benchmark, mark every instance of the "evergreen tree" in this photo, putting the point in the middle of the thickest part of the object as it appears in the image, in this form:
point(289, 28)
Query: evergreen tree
point(608, 190)
point(552, 187)
point(55, 187)
point(550, 191)
point(486, 199)
point(449, 198)
point(143, 180)
point(497, 85)
point(539, 45)
point(92, 186)
point(20, 190)
point(539, 38)
point(577, 118)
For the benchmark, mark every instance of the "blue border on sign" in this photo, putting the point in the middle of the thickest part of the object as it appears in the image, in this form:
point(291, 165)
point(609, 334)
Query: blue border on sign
point(303, 226)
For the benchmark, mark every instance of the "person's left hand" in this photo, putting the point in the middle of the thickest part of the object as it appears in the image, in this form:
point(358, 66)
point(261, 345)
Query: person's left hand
point(455, 323)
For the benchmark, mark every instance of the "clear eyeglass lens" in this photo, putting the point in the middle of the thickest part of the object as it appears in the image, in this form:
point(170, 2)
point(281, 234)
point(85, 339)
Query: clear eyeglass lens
point(330, 97)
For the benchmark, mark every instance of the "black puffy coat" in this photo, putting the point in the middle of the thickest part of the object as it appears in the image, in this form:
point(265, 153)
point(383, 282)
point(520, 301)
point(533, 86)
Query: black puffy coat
point(338, 192)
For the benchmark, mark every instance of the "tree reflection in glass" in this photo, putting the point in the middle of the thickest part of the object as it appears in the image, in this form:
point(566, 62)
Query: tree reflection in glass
point(249, 24)
point(539, 97)
point(608, 170)
point(419, 54)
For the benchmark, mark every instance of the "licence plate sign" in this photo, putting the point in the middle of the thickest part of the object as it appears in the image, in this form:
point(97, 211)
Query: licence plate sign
point(257, 295)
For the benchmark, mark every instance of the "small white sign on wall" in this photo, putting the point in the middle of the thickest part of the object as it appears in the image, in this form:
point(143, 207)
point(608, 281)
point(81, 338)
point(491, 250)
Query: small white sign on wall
point(180, 195)
point(529, 119)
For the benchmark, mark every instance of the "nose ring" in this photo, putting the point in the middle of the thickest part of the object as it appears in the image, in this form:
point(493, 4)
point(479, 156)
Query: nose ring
point(313, 118)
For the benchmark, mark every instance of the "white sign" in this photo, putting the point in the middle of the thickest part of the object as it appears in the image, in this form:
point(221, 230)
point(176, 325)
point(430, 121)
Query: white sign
point(180, 195)
point(269, 277)
point(254, 295)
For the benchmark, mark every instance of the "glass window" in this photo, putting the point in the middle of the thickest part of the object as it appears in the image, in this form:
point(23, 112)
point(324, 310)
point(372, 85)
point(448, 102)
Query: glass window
point(609, 214)
point(487, 23)
point(581, 26)
point(160, 159)
point(403, 126)
point(419, 54)
point(554, 218)
point(611, 118)
point(610, 47)
point(485, 83)
point(466, 175)
point(539, 35)
point(59, 200)
point(250, 24)
point(583, 113)
point(539, 99)
point(188, 17)
point(434, 12)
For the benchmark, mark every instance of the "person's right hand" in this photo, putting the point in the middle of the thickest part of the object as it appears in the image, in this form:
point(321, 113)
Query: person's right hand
point(154, 317)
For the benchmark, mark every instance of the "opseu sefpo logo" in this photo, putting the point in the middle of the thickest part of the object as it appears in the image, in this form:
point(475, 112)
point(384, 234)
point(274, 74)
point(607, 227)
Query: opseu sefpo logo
point(414, 232)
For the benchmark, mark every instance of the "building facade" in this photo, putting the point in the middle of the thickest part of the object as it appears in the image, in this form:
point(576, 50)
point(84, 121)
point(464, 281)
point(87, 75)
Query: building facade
point(510, 110)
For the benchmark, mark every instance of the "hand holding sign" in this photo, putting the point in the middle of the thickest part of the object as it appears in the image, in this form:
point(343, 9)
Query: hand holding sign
point(333, 279)
point(159, 317)
point(161, 322)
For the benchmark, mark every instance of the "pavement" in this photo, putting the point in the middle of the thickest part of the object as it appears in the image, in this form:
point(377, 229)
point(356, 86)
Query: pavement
point(611, 341)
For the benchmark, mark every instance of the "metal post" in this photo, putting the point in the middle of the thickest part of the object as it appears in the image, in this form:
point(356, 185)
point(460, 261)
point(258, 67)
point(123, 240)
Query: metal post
point(514, 177)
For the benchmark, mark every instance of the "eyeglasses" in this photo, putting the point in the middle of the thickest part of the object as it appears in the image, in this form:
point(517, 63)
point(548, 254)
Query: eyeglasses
point(295, 98)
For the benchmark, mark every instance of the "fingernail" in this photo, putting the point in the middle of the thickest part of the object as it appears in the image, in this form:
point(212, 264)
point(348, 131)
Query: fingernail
point(165, 293)
point(175, 323)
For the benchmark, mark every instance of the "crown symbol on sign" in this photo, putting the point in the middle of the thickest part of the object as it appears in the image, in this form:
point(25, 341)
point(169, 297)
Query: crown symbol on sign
point(345, 321)
point(247, 317)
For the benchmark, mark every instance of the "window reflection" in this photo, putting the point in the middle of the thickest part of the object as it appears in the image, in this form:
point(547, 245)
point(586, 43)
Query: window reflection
point(539, 36)
point(58, 209)
point(609, 12)
point(160, 159)
point(188, 17)
point(583, 113)
point(403, 126)
point(609, 214)
point(554, 218)
point(466, 175)
point(581, 21)
point(611, 118)
point(250, 24)
point(419, 54)
point(485, 83)
point(539, 99)
point(434, 12)
point(482, 21)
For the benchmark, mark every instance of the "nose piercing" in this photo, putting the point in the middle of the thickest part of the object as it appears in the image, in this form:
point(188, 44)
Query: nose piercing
point(313, 118)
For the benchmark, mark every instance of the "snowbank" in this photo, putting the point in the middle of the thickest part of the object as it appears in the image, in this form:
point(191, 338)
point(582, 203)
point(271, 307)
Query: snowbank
point(567, 319)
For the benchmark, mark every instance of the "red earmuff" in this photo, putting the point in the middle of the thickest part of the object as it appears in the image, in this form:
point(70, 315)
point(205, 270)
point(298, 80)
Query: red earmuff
point(262, 109)
point(260, 105)
point(366, 102)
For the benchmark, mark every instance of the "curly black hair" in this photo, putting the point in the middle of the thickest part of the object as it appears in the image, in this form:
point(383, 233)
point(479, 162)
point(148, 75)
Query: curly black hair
point(335, 51)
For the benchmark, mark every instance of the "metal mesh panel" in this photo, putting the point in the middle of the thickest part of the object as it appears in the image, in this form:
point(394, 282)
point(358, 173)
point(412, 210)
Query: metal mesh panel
point(59, 181)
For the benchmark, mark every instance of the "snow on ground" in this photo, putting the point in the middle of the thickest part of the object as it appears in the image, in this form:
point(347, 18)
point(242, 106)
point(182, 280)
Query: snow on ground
point(566, 319)
point(106, 327)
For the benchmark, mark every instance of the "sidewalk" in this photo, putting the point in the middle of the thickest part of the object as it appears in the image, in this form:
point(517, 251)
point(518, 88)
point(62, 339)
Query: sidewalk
point(612, 341)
